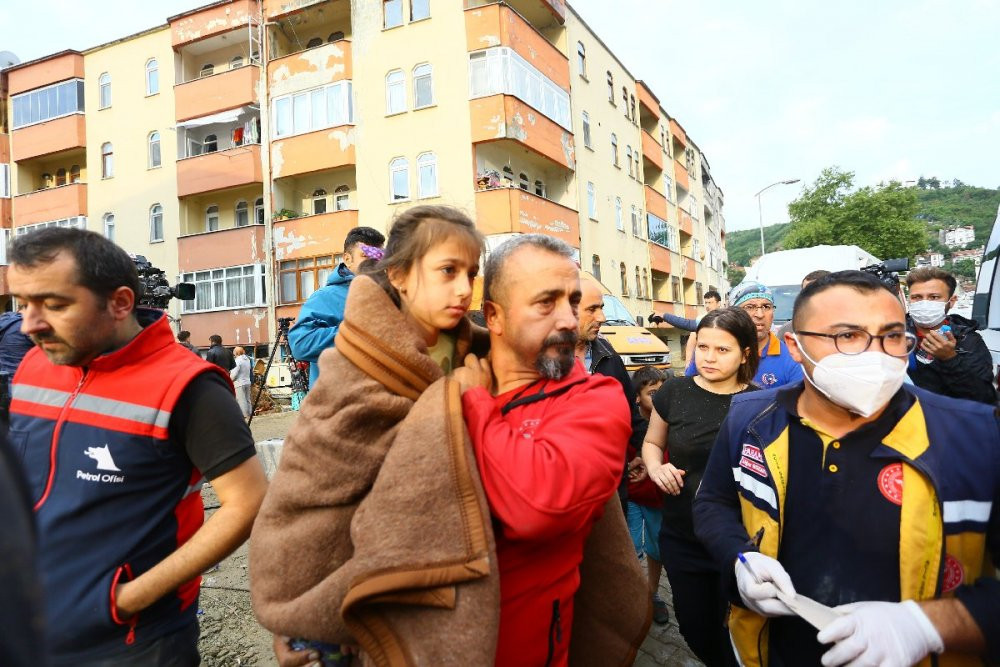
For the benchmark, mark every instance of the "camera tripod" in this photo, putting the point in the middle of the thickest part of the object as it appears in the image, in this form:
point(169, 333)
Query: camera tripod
point(299, 381)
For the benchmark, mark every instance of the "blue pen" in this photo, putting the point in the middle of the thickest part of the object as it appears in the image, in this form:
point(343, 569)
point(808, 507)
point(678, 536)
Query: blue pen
point(746, 564)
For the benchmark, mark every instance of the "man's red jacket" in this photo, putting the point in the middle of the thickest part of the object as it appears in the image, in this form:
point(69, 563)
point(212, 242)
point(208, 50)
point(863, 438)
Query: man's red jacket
point(550, 455)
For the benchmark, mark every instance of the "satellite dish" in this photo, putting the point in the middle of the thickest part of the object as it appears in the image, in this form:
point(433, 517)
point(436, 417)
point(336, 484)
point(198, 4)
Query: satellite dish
point(8, 59)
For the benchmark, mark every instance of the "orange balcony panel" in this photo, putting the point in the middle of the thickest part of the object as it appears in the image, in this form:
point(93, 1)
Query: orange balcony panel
point(219, 171)
point(53, 136)
point(275, 9)
point(499, 25)
point(677, 132)
point(56, 68)
point(233, 325)
point(647, 98)
point(656, 203)
point(681, 178)
point(651, 150)
point(505, 117)
point(308, 69)
point(219, 92)
point(659, 258)
point(662, 307)
point(5, 213)
point(4, 147)
point(65, 201)
point(691, 312)
point(313, 235)
point(209, 21)
point(506, 210)
point(684, 222)
point(315, 151)
point(225, 247)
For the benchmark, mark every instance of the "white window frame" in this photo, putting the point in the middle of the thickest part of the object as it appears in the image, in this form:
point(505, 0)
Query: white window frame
point(65, 94)
point(500, 70)
point(214, 284)
point(619, 215)
point(423, 72)
point(591, 200)
point(108, 160)
point(245, 210)
point(422, 4)
point(586, 129)
point(427, 164)
point(109, 226)
point(150, 142)
point(395, 92)
point(285, 123)
point(396, 166)
point(614, 150)
point(4, 180)
point(636, 224)
point(80, 222)
point(258, 211)
point(341, 198)
point(152, 77)
point(104, 91)
point(155, 227)
point(209, 216)
point(581, 59)
point(385, 15)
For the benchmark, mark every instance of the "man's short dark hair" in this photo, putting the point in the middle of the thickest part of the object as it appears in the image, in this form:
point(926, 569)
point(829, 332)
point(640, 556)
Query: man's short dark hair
point(927, 273)
point(647, 375)
point(215, 339)
point(712, 294)
point(815, 275)
point(366, 235)
point(494, 278)
point(862, 281)
point(183, 336)
point(101, 266)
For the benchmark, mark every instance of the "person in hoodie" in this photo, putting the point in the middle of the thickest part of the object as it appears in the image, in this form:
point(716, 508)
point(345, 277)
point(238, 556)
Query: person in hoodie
point(321, 314)
point(953, 362)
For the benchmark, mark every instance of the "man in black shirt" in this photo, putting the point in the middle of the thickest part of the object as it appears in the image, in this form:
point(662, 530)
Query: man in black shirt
point(218, 355)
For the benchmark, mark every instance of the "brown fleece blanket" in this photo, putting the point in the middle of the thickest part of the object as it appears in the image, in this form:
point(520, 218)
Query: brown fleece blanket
point(375, 529)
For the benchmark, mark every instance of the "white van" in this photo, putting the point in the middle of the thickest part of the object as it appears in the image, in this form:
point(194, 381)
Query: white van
point(986, 303)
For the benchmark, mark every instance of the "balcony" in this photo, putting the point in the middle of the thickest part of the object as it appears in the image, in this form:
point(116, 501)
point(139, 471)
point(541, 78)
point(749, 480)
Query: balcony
point(652, 152)
point(313, 235)
point(684, 222)
point(677, 132)
point(681, 178)
point(507, 210)
point(5, 213)
point(210, 21)
point(540, 13)
point(52, 136)
point(65, 201)
point(501, 117)
point(219, 170)
point(688, 268)
point(659, 258)
point(275, 9)
point(218, 92)
point(44, 72)
point(647, 99)
point(313, 151)
point(311, 68)
point(656, 203)
point(225, 247)
point(499, 25)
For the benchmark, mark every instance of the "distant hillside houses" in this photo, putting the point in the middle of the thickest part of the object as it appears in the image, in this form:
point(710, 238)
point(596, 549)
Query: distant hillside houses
point(975, 254)
point(930, 259)
point(957, 236)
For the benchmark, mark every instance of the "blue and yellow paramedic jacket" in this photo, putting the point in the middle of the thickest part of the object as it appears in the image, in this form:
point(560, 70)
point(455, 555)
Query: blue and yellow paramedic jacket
point(949, 520)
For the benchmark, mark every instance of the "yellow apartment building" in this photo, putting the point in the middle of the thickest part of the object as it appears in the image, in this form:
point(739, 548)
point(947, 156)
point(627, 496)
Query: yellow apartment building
point(236, 144)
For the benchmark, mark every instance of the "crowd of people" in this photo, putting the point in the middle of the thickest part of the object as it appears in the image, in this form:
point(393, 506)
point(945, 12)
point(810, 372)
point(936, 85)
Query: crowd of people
point(457, 494)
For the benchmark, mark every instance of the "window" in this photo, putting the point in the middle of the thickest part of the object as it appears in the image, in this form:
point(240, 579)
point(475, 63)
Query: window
point(668, 188)
point(107, 160)
point(628, 158)
point(258, 211)
point(310, 110)
point(638, 172)
point(427, 178)
point(46, 181)
point(335, 36)
point(638, 284)
point(212, 218)
point(522, 181)
point(614, 149)
point(636, 221)
point(695, 249)
point(395, 92)
point(314, 42)
point(109, 226)
point(619, 215)
point(4, 180)
point(631, 106)
point(80, 222)
point(74, 174)
point(392, 13)
point(152, 77)
point(207, 69)
point(508, 175)
point(663, 137)
point(581, 59)
point(539, 188)
point(211, 143)
point(698, 296)
point(47, 103)
point(420, 9)
point(657, 230)
point(611, 88)
point(319, 201)
point(500, 70)
point(233, 287)
point(104, 86)
point(675, 284)
point(423, 89)
point(645, 284)
point(595, 266)
point(586, 129)
point(624, 278)
point(399, 179)
point(237, 61)
point(297, 279)
point(625, 100)
point(155, 223)
point(591, 201)
point(154, 149)
point(60, 177)
point(341, 198)
point(242, 214)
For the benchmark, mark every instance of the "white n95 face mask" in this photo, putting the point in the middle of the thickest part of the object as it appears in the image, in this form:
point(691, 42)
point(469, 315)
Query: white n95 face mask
point(927, 313)
point(862, 383)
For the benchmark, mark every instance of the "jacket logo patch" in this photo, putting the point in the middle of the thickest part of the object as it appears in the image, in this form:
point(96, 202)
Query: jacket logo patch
point(102, 457)
point(890, 483)
point(753, 452)
point(954, 574)
point(753, 466)
point(528, 427)
point(769, 379)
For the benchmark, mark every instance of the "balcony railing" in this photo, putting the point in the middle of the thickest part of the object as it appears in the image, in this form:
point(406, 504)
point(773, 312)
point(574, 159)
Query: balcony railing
point(512, 210)
point(64, 201)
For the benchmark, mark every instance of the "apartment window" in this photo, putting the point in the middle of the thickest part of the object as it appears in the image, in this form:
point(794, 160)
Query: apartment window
point(104, 86)
point(591, 201)
point(341, 198)
point(631, 106)
point(335, 36)
point(107, 160)
point(212, 218)
point(60, 177)
point(645, 285)
point(638, 170)
point(242, 214)
point(695, 249)
point(109, 226)
point(586, 129)
point(258, 211)
point(152, 77)
point(663, 138)
point(74, 174)
point(392, 13)
point(624, 278)
point(154, 149)
point(399, 179)
point(595, 266)
point(625, 100)
point(698, 296)
point(635, 221)
point(47, 103)
point(80, 222)
point(420, 9)
point(310, 110)
point(4, 180)
point(500, 70)
point(522, 181)
point(211, 143)
point(297, 279)
point(155, 223)
point(233, 287)
point(668, 187)
point(314, 42)
point(675, 284)
point(614, 149)
point(395, 92)
point(319, 201)
point(423, 88)
point(539, 188)
point(427, 178)
point(628, 158)
point(208, 69)
point(237, 61)
point(619, 215)
point(611, 87)
point(638, 284)
point(657, 230)
point(508, 175)
point(581, 59)
point(46, 181)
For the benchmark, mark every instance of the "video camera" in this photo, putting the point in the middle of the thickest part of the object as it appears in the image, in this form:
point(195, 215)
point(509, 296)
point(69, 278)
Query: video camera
point(888, 271)
point(154, 289)
point(284, 323)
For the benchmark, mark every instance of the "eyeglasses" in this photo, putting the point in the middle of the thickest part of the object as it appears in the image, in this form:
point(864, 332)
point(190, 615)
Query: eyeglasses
point(856, 341)
point(764, 307)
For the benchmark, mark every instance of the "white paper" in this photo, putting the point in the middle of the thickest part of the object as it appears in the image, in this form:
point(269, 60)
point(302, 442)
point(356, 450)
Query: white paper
point(816, 614)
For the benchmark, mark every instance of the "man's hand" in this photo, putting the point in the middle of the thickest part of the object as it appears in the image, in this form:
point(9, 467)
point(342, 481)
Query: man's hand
point(289, 658)
point(126, 603)
point(475, 373)
point(669, 478)
point(880, 633)
point(762, 596)
point(941, 346)
point(636, 470)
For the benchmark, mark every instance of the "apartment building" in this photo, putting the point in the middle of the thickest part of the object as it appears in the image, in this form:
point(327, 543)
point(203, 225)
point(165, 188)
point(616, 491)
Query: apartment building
point(236, 145)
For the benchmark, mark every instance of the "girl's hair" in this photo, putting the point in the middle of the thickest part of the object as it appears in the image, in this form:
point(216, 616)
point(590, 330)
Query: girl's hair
point(737, 324)
point(414, 232)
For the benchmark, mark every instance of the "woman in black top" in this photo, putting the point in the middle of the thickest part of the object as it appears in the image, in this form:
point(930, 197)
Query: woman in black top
point(686, 418)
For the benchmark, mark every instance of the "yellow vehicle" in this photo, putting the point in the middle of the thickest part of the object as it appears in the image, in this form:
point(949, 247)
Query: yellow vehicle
point(636, 345)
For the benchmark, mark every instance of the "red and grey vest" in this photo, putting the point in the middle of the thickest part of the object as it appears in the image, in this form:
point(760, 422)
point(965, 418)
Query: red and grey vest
point(113, 496)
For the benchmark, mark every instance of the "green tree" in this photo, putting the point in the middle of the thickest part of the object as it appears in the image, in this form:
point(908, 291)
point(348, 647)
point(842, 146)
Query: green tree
point(736, 274)
point(965, 268)
point(880, 220)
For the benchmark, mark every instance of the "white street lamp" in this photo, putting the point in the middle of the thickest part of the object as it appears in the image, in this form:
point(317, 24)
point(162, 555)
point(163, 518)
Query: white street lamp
point(760, 215)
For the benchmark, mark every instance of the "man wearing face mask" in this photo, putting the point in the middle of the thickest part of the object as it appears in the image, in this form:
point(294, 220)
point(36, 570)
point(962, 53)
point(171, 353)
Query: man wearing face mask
point(950, 358)
point(816, 474)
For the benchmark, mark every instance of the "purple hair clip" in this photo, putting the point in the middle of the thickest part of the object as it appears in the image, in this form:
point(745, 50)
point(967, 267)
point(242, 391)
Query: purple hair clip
point(371, 252)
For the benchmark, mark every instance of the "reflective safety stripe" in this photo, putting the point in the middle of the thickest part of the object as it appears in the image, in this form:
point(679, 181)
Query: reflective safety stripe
point(967, 510)
point(50, 397)
point(759, 490)
point(108, 407)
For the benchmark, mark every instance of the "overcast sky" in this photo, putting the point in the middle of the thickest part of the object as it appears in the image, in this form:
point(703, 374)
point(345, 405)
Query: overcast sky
point(770, 90)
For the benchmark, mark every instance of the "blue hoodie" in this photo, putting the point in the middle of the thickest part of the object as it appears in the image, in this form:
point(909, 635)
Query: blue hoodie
point(319, 319)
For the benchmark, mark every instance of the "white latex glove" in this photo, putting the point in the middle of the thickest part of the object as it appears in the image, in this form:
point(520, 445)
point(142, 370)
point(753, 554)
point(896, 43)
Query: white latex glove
point(880, 634)
point(763, 597)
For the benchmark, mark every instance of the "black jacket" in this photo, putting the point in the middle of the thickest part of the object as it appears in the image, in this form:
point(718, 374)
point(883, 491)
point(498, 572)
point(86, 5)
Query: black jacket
point(969, 375)
point(221, 357)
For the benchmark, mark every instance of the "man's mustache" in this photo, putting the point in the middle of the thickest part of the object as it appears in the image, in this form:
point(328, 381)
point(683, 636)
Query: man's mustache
point(560, 339)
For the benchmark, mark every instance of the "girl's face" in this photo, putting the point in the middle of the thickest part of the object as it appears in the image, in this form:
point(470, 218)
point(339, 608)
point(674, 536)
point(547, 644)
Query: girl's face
point(437, 290)
point(717, 354)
